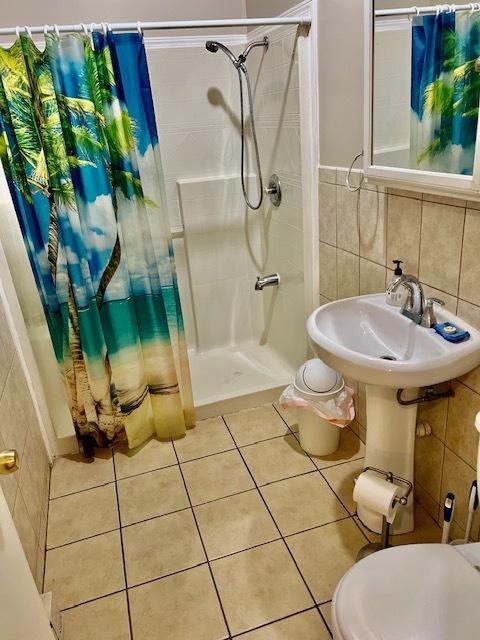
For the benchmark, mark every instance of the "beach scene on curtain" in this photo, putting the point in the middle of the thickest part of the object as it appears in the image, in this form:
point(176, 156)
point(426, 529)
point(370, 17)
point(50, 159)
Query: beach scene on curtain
point(445, 91)
point(79, 147)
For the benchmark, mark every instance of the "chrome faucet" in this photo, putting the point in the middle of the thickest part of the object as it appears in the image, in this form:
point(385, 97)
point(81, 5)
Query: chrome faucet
point(267, 281)
point(415, 302)
point(416, 307)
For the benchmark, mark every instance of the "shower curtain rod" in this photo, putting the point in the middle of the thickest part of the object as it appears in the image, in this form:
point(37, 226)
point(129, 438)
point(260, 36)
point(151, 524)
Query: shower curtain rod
point(427, 11)
point(170, 24)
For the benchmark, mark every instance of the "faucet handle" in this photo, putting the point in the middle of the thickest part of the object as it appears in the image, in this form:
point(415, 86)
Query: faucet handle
point(428, 318)
point(429, 302)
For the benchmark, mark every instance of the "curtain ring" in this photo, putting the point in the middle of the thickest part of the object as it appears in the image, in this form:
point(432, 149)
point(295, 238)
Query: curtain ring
point(28, 31)
point(46, 27)
point(417, 13)
point(349, 173)
point(57, 30)
point(17, 31)
point(139, 29)
point(104, 28)
point(84, 29)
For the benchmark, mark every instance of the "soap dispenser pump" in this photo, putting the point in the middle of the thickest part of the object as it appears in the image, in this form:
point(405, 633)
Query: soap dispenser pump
point(397, 297)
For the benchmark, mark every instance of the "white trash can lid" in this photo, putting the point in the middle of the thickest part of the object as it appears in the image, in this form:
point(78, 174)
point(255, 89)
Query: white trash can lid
point(314, 376)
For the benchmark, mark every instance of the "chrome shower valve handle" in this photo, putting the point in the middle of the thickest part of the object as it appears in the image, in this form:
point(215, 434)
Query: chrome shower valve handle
point(274, 190)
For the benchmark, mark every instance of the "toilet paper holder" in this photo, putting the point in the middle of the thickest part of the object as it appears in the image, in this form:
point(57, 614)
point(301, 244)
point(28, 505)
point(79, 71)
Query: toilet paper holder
point(390, 477)
point(372, 547)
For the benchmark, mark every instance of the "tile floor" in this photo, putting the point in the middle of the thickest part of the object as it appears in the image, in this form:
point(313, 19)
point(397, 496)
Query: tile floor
point(231, 531)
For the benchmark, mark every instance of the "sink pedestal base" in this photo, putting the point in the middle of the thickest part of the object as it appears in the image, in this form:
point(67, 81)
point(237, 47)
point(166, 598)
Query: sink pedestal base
point(390, 447)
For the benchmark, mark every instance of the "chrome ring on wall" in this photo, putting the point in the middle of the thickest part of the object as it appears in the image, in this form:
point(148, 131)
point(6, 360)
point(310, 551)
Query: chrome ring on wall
point(350, 169)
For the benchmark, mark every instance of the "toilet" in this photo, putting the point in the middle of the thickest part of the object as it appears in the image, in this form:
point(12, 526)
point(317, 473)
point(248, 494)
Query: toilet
point(411, 592)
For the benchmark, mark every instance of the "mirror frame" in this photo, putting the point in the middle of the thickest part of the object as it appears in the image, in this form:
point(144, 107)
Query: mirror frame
point(411, 179)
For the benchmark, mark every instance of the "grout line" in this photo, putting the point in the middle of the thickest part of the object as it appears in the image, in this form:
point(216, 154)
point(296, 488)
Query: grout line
point(74, 493)
point(461, 253)
point(327, 626)
point(317, 526)
point(123, 550)
point(208, 455)
point(166, 575)
point(105, 595)
point(262, 626)
point(336, 495)
point(95, 535)
point(204, 548)
point(46, 533)
point(142, 473)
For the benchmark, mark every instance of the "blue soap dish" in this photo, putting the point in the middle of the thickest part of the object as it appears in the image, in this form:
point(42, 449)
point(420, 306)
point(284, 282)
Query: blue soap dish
point(451, 332)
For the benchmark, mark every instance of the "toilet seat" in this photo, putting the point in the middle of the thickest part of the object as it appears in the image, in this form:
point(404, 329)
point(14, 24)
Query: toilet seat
point(413, 592)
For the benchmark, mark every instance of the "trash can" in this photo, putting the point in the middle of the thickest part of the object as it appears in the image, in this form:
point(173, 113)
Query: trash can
point(324, 403)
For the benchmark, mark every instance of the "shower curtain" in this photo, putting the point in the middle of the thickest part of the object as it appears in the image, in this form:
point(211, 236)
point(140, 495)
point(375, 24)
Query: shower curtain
point(445, 92)
point(79, 147)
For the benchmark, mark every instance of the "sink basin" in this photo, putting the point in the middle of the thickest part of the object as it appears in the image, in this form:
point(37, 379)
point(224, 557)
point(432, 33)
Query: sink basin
point(368, 340)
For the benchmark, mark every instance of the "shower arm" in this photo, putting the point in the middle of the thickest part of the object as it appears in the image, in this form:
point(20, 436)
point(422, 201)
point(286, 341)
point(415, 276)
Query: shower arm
point(259, 43)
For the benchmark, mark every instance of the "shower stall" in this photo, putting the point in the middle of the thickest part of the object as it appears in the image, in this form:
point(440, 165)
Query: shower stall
point(244, 343)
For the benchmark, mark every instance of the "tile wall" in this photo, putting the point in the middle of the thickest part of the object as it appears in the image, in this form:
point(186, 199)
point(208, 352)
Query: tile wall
point(26, 491)
point(438, 239)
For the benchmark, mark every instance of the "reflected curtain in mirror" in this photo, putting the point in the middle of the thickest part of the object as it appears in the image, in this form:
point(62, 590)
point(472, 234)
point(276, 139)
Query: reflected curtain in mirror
point(445, 92)
point(79, 147)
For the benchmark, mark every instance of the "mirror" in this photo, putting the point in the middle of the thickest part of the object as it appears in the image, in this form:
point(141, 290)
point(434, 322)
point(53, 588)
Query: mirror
point(425, 83)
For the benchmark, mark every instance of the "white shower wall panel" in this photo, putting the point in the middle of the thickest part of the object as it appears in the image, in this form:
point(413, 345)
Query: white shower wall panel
point(219, 273)
point(196, 106)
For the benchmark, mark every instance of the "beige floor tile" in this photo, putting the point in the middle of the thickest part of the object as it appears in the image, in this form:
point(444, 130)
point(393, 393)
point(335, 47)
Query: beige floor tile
point(154, 454)
point(72, 473)
point(426, 530)
point(209, 436)
point(235, 523)
point(253, 425)
point(81, 515)
point(161, 546)
point(302, 503)
point(324, 555)
point(259, 586)
point(326, 610)
point(289, 415)
point(276, 459)
point(151, 494)
point(341, 478)
point(85, 570)
point(217, 476)
point(351, 448)
point(303, 626)
point(103, 619)
point(178, 607)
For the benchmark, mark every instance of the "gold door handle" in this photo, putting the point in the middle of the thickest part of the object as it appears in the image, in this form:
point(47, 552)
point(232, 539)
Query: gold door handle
point(9, 461)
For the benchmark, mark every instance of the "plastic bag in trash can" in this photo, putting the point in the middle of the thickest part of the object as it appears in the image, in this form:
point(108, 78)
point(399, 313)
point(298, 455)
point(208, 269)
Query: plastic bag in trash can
point(339, 409)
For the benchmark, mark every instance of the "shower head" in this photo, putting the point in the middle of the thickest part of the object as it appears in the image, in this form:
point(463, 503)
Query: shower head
point(213, 47)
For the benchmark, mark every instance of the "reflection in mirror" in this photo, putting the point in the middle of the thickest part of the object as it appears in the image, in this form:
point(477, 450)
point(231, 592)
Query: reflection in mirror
point(426, 88)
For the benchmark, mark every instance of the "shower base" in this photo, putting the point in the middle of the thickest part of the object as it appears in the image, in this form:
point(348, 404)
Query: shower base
point(234, 378)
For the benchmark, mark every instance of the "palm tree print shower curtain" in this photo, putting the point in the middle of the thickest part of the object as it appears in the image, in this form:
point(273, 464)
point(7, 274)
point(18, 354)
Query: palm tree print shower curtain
point(79, 147)
point(445, 91)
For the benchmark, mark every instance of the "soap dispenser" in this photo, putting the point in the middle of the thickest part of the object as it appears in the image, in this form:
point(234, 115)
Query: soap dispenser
point(398, 297)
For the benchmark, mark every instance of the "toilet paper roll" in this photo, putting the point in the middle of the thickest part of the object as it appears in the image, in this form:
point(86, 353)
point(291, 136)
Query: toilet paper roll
point(372, 491)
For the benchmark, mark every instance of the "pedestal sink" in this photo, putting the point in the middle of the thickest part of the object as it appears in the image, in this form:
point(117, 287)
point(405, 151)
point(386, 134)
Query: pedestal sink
point(368, 340)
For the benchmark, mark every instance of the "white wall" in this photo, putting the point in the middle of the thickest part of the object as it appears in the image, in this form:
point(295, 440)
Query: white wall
point(32, 12)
